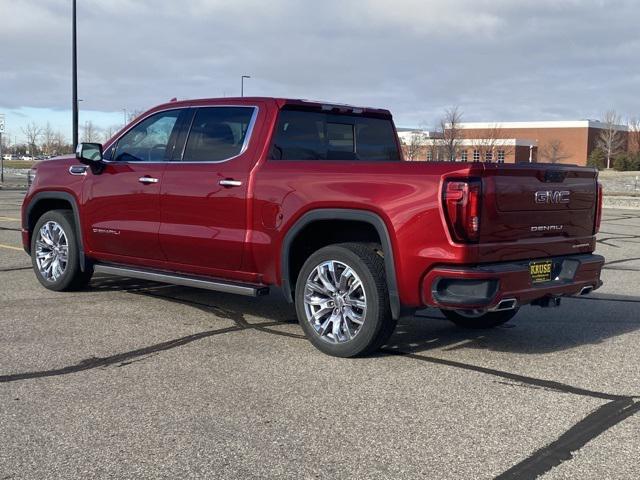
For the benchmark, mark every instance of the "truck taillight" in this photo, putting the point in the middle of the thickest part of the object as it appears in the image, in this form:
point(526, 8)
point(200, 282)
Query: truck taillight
point(598, 209)
point(461, 201)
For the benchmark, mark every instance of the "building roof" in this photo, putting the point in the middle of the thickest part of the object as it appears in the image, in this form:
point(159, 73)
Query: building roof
point(540, 124)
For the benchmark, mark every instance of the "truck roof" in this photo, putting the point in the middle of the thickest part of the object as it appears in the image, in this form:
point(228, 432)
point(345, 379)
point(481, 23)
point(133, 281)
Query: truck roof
point(281, 102)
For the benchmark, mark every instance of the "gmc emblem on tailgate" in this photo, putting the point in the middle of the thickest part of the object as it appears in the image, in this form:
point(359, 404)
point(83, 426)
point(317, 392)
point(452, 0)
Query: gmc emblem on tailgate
point(552, 196)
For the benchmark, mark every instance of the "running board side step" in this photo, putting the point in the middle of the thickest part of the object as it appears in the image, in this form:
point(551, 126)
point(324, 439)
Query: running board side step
point(247, 289)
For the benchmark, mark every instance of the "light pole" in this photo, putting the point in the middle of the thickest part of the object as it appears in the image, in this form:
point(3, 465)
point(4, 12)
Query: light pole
point(242, 84)
point(124, 117)
point(74, 75)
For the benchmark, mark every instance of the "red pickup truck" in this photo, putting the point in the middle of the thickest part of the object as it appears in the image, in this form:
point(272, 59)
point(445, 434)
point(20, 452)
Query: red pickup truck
point(244, 195)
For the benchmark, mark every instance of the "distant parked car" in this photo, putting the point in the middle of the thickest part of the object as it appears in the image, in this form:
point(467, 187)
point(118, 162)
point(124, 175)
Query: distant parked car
point(26, 157)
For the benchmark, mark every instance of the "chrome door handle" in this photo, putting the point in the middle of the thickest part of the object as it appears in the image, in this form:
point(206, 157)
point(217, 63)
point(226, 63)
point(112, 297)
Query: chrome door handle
point(148, 180)
point(228, 182)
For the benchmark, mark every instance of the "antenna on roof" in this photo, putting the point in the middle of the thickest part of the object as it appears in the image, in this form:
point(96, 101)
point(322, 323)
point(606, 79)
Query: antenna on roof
point(174, 99)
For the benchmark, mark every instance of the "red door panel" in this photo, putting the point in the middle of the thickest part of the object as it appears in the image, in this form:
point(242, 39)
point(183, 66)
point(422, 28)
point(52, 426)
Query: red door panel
point(122, 214)
point(203, 222)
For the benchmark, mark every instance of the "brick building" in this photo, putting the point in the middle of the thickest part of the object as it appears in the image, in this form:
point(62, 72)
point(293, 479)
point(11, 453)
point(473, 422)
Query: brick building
point(515, 142)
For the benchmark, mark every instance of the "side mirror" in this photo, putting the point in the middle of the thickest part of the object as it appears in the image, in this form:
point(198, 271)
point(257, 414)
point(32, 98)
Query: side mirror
point(91, 154)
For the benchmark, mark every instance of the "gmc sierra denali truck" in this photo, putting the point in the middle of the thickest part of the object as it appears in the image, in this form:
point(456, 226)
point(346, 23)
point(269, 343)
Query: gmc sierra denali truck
point(246, 194)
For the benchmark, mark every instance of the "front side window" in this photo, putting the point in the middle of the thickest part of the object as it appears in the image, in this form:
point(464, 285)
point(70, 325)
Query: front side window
point(308, 135)
point(217, 133)
point(148, 140)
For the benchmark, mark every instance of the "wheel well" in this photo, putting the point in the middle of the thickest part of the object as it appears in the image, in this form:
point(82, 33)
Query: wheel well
point(321, 233)
point(43, 206)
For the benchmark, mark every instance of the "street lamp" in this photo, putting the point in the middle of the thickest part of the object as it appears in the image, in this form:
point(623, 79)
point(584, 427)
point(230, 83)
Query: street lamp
point(242, 84)
point(74, 75)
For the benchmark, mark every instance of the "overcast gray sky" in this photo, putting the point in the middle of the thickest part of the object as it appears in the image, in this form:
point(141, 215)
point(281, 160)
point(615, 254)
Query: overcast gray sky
point(498, 60)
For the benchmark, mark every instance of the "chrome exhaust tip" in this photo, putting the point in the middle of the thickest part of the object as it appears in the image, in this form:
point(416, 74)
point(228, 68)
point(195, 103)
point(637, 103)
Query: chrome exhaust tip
point(505, 304)
point(586, 290)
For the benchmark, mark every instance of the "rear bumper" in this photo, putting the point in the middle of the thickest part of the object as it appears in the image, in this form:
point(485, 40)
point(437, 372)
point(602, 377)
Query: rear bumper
point(485, 286)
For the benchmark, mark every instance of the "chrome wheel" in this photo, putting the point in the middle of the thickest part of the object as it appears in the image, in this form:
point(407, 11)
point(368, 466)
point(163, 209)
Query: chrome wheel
point(52, 251)
point(335, 302)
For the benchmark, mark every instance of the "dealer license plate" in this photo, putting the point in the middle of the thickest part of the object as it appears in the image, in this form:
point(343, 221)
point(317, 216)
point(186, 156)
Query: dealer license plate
point(540, 271)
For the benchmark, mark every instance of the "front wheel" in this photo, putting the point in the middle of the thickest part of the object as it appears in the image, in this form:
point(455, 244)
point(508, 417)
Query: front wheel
point(55, 254)
point(479, 320)
point(342, 300)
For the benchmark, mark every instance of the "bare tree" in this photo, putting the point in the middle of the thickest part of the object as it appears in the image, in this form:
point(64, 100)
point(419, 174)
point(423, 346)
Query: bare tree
point(553, 151)
point(6, 141)
point(48, 138)
point(610, 140)
point(59, 144)
point(451, 133)
point(32, 133)
point(109, 132)
point(634, 136)
point(133, 114)
point(415, 145)
point(90, 133)
point(492, 143)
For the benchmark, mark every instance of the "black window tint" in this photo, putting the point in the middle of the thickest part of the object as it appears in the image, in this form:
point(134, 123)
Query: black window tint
point(340, 141)
point(217, 133)
point(305, 135)
point(148, 140)
point(300, 136)
point(376, 140)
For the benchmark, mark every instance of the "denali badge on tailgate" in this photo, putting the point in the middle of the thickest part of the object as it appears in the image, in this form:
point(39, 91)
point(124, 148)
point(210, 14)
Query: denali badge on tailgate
point(552, 196)
point(547, 228)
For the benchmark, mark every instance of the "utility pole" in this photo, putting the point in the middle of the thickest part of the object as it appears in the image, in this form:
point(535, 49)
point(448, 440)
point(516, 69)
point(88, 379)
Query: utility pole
point(242, 84)
point(74, 75)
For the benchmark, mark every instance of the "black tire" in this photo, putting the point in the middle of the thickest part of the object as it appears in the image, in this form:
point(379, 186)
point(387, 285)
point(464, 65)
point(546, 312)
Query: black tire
point(72, 278)
point(378, 323)
point(487, 320)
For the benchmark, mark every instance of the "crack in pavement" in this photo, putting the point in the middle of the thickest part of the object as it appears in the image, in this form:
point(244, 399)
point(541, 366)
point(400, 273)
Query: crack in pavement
point(14, 269)
point(95, 362)
point(522, 379)
point(590, 427)
point(124, 358)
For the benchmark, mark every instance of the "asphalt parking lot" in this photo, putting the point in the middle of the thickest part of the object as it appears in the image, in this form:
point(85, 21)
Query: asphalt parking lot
point(132, 379)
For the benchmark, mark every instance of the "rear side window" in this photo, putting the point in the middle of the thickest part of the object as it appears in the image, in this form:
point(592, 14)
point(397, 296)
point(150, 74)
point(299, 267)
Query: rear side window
point(305, 135)
point(218, 133)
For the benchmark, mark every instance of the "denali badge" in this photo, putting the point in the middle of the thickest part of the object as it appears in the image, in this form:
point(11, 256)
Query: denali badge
point(547, 228)
point(109, 231)
point(552, 196)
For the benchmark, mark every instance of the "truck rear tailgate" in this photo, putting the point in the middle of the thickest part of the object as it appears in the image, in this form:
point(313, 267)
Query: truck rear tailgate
point(537, 210)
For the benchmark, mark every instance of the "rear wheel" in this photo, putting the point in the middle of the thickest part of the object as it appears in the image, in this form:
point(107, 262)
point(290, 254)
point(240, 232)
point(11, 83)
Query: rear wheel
point(475, 319)
point(342, 300)
point(55, 254)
